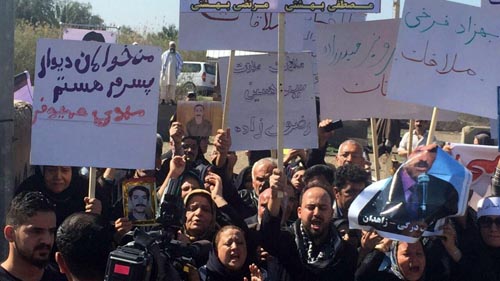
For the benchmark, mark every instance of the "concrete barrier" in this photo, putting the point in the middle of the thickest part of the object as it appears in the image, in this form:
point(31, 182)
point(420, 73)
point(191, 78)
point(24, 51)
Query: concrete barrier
point(468, 133)
point(21, 142)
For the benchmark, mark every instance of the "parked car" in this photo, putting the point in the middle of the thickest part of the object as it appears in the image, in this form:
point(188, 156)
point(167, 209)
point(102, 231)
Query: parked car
point(198, 77)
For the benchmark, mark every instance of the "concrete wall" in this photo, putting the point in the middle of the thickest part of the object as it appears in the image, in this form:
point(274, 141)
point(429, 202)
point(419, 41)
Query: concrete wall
point(21, 142)
point(468, 133)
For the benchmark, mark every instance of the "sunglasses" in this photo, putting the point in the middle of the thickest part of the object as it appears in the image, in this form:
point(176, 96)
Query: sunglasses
point(487, 222)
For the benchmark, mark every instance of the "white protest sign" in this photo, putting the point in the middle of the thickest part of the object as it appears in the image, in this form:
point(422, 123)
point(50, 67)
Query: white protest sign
point(490, 3)
point(81, 34)
point(315, 20)
point(354, 62)
point(202, 31)
point(281, 6)
point(252, 112)
point(95, 104)
point(447, 56)
point(233, 31)
point(480, 160)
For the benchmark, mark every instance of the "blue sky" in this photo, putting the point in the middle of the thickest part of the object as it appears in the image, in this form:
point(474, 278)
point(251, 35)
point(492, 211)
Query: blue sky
point(151, 15)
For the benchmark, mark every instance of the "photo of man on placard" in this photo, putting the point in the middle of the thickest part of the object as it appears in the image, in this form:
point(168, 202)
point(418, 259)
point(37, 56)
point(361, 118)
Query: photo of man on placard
point(415, 198)
point(199, 117)
point(139, 201)
point(199, 126)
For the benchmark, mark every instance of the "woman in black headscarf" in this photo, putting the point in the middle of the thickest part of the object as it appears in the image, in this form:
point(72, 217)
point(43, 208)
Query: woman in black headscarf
point(229, 259)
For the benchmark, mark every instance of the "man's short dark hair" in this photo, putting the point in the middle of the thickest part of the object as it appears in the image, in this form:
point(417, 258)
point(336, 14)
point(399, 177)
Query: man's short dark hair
point(85, 241)
point(93, 36)
point(138, 187)
point(327, 189)
point(350, 173)
point(328, 172)
point(25, 205)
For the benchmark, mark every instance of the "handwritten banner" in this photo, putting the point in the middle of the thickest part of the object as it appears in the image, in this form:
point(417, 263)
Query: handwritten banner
point(252, 112)
point(202, 31)
point(451, 51)
point(481, 160)
point(354, 62)
point(281, 6)
point(95, 104)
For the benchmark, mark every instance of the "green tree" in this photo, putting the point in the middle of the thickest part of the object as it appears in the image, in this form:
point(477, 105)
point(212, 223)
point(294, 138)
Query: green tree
point(77, 13)
point(162, 38)
point(129, 36)
point(36, 12)
point(25, 38)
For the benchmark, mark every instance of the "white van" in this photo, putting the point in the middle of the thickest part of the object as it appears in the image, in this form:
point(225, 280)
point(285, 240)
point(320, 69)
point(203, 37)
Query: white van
point(198, 77)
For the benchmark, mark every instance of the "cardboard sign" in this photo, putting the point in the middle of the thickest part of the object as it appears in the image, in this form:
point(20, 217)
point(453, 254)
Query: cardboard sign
point(447, 56)
point(354, 63)
point(252, 112)
point(202, 31)
point(95, 104)
point(481, 160)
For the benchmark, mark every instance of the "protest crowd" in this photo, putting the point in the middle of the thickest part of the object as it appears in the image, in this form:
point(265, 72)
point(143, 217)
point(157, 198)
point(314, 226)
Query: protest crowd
point(194, 216)
point(264, 223)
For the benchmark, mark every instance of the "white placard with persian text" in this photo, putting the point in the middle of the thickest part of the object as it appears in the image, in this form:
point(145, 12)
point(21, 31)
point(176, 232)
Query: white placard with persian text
point(257, 31)
point(95, 104)
point(354, 63)
point(447, 56)
point(253, 107)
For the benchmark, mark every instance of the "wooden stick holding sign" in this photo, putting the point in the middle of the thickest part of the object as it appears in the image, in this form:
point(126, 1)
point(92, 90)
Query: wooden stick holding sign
point(227, 96)
point(375, 149)
point(92, 179)
point(432, 128)
point(410, 136)
point(279, 94)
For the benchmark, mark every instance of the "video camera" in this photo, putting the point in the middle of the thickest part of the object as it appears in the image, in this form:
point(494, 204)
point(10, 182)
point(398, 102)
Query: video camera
point(156, 255)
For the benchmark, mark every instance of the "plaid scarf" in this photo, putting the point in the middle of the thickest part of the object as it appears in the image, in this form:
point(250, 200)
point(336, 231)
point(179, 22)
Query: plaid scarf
point(316, 256)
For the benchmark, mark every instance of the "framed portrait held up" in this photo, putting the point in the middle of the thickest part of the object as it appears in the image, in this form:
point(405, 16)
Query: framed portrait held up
point(139, 201)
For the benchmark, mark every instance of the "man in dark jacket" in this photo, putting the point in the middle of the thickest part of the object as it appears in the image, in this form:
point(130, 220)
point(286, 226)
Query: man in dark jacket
point(30, 226)
point(312, 249)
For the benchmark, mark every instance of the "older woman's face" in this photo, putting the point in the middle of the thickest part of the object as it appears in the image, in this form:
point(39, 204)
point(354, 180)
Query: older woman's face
point(57, 178)
point(198, 215)
point(411, 260)
point(232, 249)
point(489, 227)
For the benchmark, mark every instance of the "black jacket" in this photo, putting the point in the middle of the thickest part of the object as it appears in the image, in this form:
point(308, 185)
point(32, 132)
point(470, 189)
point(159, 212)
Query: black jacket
point(288, 247)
